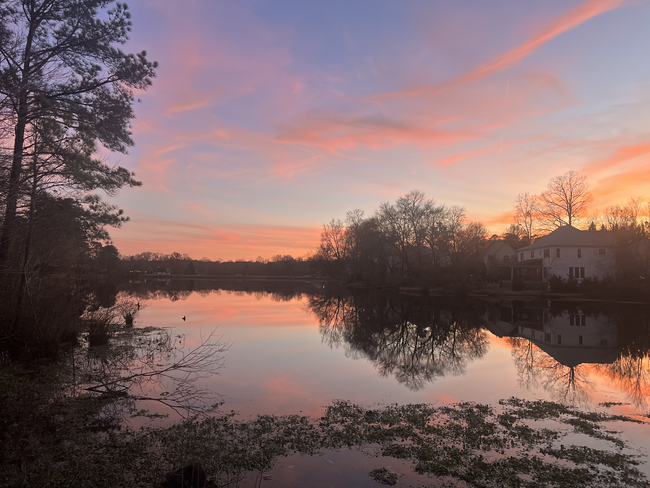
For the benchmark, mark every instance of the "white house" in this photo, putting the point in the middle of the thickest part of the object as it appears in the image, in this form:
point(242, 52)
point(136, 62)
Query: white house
point(569, 253)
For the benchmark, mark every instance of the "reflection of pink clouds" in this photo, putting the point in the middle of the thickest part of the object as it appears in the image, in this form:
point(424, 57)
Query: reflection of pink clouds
point(448, 399)
point(226, 309)
point(289, 395)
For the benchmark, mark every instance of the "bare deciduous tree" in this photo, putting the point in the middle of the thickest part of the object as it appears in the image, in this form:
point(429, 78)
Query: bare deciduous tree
point(416, 206)
point(463, 238)
point(527, 213)
point(565, 199)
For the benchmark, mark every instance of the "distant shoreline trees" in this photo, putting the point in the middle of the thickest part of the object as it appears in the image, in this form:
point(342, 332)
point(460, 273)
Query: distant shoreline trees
point(182, 264)
point(414, 237)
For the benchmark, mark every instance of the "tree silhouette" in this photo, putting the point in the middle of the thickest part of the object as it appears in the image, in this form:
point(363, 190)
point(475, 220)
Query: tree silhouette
point(66, 87)
point(565, 199)
point(411, 339)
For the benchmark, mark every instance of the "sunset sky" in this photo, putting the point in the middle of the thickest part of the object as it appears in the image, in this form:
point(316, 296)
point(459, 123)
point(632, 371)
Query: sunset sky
point(270, 117)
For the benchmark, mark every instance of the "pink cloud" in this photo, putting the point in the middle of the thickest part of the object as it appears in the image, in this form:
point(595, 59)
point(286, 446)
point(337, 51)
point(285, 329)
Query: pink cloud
point(499, 222)
point(558, 26)
point(621, 155)
point(462, 114)
point(226, 241)
point(488, 149)
point(192, 101)
point(621, 186)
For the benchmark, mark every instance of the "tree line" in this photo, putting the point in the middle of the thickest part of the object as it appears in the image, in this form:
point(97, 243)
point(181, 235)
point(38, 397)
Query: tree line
point(415, 236)
point(182, 264)
point(417, 241)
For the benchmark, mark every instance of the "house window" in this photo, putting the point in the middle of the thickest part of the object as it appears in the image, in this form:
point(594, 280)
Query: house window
point(601, 252)
point(582, 272)
point(579, 253)
point(580, 340)
point(583, 320)
point(559, 339)
point(532, 254)
point(506, 259)
point(557, 252)
point(547, 253)
point(570, 273)
point(572, 319)
point(547, 337)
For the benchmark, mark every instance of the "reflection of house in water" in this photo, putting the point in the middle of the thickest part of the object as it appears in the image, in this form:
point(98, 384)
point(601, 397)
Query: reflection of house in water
point(571, 338)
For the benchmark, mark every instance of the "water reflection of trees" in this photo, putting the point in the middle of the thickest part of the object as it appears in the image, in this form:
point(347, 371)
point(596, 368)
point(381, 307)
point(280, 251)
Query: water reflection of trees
point(631, 370)
point(415, 340)
point(565, 384)
point(625, 364)
point(632, 375)
point(174, 290)
point(149, 365)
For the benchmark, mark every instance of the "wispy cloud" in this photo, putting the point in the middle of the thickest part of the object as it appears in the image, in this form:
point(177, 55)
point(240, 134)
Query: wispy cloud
point(565, 22)
point(498, 147)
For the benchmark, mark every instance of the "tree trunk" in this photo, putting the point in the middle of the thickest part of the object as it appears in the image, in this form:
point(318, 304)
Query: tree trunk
point(13, 191)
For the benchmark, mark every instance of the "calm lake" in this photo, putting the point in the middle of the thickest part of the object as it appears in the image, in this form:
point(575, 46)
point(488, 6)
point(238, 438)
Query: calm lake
point(294, 349)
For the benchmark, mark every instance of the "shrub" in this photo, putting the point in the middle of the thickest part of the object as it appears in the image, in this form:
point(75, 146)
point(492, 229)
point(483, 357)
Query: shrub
point(556, 284)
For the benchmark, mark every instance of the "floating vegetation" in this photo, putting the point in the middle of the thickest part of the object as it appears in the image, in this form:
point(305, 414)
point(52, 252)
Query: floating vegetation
point(516, 443)
point(382, 475)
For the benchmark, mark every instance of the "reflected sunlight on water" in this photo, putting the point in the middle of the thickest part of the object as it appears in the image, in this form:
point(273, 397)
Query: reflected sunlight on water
point(295, 353)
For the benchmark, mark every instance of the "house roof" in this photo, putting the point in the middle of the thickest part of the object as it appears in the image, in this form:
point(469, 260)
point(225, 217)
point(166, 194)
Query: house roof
point(496, 245)
point(570, 236)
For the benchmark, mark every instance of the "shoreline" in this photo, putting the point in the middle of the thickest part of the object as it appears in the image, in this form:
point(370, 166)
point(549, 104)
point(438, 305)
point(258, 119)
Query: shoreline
point(485, 292)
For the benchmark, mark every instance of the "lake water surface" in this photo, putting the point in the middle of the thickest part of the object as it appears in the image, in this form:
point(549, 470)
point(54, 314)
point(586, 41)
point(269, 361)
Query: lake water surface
point(294, 348)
